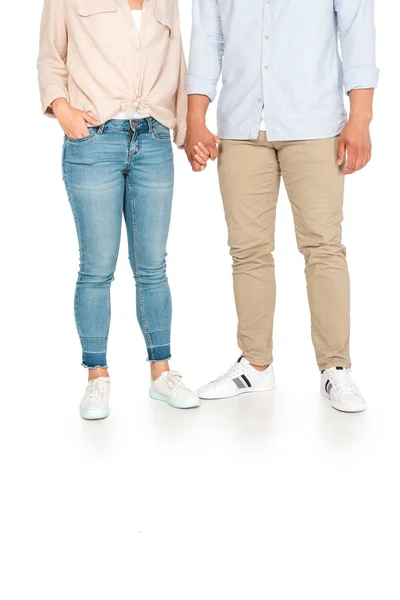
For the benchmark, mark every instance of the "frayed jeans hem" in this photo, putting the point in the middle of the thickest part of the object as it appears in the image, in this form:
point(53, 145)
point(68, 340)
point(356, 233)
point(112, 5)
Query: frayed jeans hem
point(94, 360)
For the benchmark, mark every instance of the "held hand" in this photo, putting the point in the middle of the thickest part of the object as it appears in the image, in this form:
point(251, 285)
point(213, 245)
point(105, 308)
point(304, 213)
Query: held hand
point(200, 146)
point(354, 146)
point(74, 122)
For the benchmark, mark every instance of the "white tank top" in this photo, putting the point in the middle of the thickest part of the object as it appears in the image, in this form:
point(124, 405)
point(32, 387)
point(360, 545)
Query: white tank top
point(137, 17)
point(131, 114)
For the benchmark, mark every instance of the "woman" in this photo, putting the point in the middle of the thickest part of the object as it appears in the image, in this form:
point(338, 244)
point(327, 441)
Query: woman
point(113, 73)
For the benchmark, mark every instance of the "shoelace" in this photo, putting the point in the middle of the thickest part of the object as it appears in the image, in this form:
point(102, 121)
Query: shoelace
point(97, 388)
point(235, 371)
point(342, 381)
point(174, 380)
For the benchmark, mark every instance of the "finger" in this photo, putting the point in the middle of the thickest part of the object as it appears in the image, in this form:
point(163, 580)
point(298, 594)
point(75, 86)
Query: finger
point(204, 148)
point(89, 119)
point(199, 168)
point(213, 152)
point(358, 165)
point(349, 169)
point(75, 135)
point(217, 139)
point(341, 152)
point(201, 153)
point(199, 160)
point(351, 162)
point(84, 131)
point(366, 160)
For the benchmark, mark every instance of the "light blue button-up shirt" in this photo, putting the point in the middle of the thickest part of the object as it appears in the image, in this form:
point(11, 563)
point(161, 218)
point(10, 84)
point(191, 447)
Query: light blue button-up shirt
point(282, 56)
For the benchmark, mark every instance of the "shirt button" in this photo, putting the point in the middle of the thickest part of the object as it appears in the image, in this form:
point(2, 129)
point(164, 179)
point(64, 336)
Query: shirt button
point(266, 67)
point(259, 99)
point(267, 37)
point(138, 49)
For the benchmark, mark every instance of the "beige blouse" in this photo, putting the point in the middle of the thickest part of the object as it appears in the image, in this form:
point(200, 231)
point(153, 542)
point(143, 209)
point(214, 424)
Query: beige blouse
point(91, 54)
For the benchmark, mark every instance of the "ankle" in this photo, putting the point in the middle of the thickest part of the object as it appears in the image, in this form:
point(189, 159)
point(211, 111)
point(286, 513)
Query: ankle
point(259, 368)
point(158, 368)
point(96, 373)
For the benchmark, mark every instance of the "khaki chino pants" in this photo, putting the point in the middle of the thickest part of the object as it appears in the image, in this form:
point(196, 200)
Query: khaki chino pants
point(250, 173)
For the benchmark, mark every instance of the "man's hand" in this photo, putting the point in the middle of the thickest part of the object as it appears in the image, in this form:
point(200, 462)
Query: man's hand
point(354, 146)
point(355, 140)
point(74, 122)
point(200, 145)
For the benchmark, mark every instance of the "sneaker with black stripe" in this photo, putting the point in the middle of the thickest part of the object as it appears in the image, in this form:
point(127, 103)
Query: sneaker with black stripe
point(337, 385)
point(241, 378)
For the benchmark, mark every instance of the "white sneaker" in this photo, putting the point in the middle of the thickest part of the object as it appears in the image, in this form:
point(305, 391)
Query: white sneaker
point(337, 385)
point(242, 378)
point(170, 388)
point(94, 404)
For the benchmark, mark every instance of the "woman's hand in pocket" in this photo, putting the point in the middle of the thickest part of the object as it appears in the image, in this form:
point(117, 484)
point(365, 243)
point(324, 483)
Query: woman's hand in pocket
point(74, 122)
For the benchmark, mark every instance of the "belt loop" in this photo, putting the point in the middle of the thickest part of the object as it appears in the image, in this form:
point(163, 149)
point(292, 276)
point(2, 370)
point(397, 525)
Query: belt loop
point(150, 122)
point(100, 130)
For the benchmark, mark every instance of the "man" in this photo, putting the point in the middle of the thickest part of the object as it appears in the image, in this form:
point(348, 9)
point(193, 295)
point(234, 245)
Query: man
point(281, 113)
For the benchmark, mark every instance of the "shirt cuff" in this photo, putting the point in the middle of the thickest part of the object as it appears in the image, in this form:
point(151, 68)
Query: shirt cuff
point(201, 86)
point(52, 93)
point(361, 78)
point(180, 133)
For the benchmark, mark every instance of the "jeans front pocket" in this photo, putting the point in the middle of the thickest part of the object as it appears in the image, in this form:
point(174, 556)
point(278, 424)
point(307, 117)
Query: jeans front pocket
point(92, 133)
point(160, 131)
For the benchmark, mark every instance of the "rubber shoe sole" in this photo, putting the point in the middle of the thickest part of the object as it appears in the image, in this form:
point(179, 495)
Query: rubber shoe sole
point(95, 414)
point(176, 403)
point(347, 409)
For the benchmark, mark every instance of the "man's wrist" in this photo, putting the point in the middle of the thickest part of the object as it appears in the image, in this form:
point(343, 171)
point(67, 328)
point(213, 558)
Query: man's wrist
point(197, 110)
point(194, 118)
point(361, 105)
point(361, 118)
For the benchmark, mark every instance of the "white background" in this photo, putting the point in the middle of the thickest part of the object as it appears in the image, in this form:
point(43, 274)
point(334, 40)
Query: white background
point(258, 497)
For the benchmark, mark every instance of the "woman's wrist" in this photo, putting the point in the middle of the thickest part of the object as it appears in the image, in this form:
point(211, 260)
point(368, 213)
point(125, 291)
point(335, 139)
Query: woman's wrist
point(59, 105)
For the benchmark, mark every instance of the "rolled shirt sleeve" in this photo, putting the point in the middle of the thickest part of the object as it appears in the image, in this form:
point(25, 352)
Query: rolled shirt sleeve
point(52, 69)
point(357, 36)
point(206, 49)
